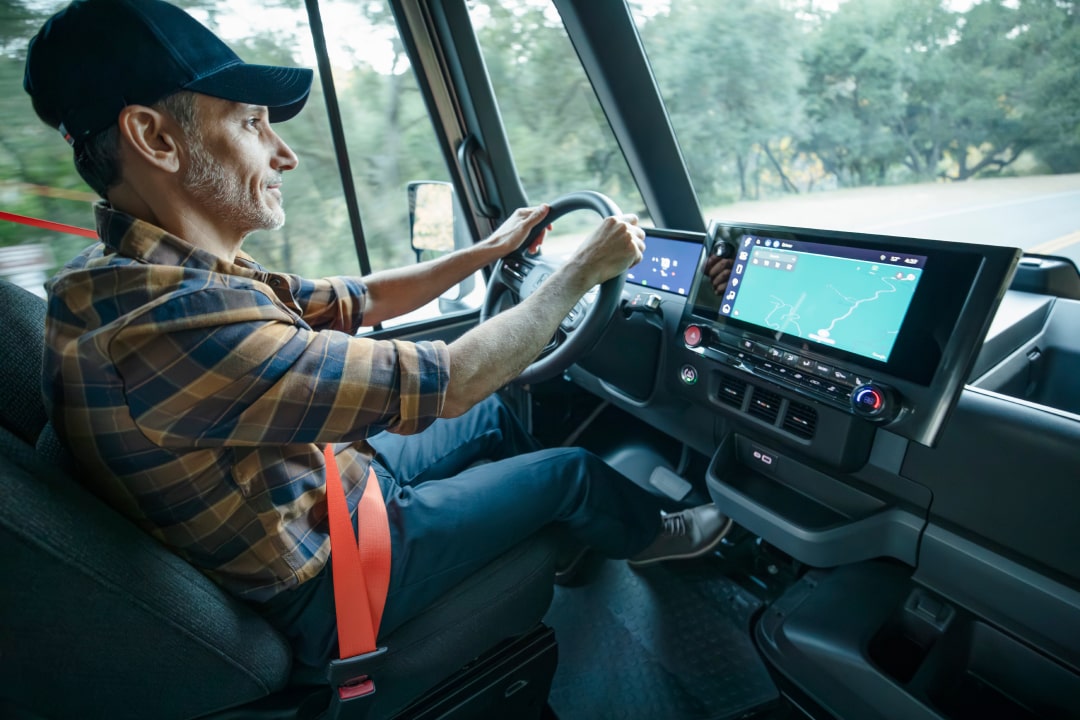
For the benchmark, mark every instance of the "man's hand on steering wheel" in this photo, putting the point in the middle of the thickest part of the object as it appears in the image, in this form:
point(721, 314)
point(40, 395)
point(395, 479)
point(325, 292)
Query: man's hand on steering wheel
point(602, 259)
point(615, 246)
point(512, 234)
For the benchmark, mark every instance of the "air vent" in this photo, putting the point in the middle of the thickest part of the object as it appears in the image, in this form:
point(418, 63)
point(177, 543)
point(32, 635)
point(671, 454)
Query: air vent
point(732, 390)
point(765, 405)
point(800, 420)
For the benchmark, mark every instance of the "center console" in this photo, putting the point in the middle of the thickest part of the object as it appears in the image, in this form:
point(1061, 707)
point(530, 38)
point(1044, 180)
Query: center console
point(784, 325)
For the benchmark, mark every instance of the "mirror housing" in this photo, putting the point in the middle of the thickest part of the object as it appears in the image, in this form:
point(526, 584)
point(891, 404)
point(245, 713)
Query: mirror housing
point(437, 227)
point(431, 217)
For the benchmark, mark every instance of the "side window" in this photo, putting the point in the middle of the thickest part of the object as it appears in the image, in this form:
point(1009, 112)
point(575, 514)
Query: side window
point(390, 140)
point(558, 134)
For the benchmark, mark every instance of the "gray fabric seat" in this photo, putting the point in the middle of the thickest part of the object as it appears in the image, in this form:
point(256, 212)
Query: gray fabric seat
point(98, 620)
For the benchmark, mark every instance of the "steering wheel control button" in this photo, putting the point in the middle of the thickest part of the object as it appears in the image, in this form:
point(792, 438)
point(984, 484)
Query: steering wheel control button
point(692, 336)
point(689, 375)
point(642, 302)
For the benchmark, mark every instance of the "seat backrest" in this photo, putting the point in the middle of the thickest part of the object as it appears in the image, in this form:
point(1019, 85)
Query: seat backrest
point(96, 618)
point(22, 340)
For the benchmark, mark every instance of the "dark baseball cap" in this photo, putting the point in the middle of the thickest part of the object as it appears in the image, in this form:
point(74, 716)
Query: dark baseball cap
point(95, 57)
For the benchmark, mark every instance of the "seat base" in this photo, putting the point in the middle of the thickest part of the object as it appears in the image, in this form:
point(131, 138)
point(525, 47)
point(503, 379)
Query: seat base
point(512, 681)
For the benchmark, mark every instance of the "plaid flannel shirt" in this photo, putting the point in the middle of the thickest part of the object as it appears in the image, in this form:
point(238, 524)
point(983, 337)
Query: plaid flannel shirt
point(196, 394)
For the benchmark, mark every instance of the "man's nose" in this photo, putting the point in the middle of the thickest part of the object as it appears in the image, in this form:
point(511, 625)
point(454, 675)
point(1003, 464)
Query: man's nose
point(284, 157)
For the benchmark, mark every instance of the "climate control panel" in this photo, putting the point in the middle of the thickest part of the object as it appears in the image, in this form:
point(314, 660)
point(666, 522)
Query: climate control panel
point(823, 380)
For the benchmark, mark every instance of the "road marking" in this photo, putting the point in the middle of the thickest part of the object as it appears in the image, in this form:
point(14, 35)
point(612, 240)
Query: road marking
point(960, 211)
point(1052, 246)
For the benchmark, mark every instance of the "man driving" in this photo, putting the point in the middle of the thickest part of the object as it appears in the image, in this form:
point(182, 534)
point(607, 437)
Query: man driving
point(198, 389)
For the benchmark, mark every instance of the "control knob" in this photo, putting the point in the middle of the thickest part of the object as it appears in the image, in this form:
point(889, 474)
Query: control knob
point(874, 402)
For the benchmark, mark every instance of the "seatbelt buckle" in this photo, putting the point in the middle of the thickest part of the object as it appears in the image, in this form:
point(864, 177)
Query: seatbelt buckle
point(352, 685)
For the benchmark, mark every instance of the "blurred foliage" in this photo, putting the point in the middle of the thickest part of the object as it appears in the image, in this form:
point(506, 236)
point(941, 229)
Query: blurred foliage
point(766, 97)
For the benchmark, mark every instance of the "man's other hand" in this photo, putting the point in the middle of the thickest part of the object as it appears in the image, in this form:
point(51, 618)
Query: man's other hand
point(612, 248)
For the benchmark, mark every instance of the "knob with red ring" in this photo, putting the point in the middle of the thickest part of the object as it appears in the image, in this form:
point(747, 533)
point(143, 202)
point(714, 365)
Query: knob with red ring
point(874, 401)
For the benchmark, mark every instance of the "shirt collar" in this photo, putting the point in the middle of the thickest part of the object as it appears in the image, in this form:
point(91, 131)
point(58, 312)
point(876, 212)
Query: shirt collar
point(147, 243)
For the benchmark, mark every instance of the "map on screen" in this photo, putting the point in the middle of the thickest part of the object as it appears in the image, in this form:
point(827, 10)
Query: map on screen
point(853, 300)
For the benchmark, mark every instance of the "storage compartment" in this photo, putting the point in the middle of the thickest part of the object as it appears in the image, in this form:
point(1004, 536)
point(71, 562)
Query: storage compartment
point(904, 642)
point(870, 643)
point(984, 673)
point(816, 518)
point(1044, 369)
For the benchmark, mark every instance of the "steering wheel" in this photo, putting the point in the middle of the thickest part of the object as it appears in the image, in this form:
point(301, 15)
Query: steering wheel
point(521, 274)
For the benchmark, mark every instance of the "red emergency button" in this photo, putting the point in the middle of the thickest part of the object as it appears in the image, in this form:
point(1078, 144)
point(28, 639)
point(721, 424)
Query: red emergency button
point(692, 335)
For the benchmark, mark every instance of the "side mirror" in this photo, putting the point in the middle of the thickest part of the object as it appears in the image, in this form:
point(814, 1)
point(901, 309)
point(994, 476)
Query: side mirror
point(436, 227)
point(431, 217)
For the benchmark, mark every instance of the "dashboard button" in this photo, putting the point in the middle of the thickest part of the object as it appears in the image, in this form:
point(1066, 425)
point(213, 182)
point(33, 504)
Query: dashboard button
point(692, 335)
point(842, 375)
point(791, 358)
point(774, 353)
point(823, 369)
point(689, 374)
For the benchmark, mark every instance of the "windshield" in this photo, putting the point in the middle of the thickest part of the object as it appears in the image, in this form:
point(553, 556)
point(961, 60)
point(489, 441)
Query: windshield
point(940, 119)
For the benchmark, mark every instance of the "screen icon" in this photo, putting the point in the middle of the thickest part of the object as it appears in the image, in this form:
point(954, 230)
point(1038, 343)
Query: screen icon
point(738, 269)
point(730, 295)
point(726, 309)
point(734, 282)
point(743, 255)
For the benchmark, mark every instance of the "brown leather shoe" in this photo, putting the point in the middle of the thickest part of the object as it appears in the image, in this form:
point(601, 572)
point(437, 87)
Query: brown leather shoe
point(685, 534)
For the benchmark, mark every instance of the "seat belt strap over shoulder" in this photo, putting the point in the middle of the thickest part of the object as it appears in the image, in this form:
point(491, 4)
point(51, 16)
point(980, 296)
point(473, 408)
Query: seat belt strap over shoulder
point(361, 573)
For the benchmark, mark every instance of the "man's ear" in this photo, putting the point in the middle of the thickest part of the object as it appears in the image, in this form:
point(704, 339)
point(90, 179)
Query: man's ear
point(151, 136)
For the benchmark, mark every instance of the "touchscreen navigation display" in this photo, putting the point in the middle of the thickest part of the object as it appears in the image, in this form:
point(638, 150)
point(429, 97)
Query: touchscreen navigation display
point(853, 299)
point(668, 264)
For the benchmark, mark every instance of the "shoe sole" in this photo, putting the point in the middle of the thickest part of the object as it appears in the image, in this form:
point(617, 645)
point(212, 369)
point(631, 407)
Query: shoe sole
point(697, 553)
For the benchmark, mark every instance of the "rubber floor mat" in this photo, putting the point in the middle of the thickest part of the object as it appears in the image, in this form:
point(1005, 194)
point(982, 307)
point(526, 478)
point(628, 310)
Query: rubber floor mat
point(670, 641)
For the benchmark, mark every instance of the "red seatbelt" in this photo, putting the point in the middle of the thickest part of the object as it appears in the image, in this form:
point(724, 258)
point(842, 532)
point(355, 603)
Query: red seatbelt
point(48, 225)
point(361, 570)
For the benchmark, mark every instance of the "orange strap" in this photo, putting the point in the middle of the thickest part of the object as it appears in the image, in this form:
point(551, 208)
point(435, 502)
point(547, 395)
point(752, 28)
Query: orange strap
point(48, 225)
point(361, 570)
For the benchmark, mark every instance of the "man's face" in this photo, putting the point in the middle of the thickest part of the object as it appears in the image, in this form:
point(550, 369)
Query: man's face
point(235, 165)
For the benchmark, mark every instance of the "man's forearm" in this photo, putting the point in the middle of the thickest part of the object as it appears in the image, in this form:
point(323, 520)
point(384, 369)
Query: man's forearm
point(395, 292)
point(494, 353)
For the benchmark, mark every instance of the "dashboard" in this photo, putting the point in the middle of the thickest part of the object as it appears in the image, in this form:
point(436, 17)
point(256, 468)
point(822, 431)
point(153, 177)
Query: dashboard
point(880, 329)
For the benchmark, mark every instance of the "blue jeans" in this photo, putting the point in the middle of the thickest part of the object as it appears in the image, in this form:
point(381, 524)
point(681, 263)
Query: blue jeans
point(449, 516)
